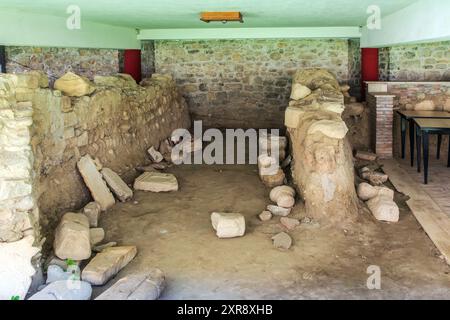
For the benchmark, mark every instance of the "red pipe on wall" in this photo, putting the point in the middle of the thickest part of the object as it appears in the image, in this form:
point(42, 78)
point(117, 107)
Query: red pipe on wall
point(132, 64)
point(369, 66)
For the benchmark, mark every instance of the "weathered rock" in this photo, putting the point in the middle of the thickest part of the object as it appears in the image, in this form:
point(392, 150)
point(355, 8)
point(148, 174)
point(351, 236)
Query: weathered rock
point(16, 269)
point(289, 223)
point(316, 78)
point(282, 241)
point(73, 85)
point(96, 236)
point(336, 129)
point(102, 247)
point(283, 196)
point(279, 211)
point(426, 105)
point(72, 237)
point(156, 182)
point(120, 80)
point(107, 264)
point(95, 182)
point(65, 290)
point(299, 91)
point(274, 180)
point(267, 165)
point(367, 191)
point(293, 117)
point(384, 208)
point(53, 260)
point(265, 215)
point(117, 185)
point(155, 155)
point(145, 286)
point(365, 155)
point(375, 178)
point(56, 273)
point(228, 225)
point(92, 211)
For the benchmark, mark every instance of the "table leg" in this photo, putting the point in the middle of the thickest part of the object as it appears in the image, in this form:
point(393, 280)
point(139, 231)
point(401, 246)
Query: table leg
point(419, 147)
point(425, 138)
point(411, 141)
point(403, 134)
point(439, 143)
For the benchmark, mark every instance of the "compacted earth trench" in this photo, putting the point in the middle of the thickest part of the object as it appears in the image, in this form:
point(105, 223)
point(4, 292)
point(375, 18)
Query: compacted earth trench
point(173, 232)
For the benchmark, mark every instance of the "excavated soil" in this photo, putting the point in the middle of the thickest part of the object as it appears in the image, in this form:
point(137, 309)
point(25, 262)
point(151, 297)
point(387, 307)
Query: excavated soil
point(173, 232)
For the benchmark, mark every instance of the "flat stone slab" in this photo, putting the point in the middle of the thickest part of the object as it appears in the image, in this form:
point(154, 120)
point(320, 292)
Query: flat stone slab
point(117, 185)
point(107, 264)
point(95, 182)
point(72, 237)
point(145, 286)
point(156, 182)
point(65, 290)
point(279, 211)
point(228, 225)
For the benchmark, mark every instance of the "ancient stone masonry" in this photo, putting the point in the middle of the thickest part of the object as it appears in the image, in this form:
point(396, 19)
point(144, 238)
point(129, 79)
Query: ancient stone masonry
point(236, 83)
point(112, 119)
point(322, 157)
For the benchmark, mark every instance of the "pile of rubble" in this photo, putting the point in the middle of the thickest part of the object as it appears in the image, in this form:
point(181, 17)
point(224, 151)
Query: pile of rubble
point(78, 236)
point(378, 198)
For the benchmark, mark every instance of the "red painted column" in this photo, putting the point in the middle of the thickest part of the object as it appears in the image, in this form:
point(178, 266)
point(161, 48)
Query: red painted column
point(132, 64)
point(369, 66)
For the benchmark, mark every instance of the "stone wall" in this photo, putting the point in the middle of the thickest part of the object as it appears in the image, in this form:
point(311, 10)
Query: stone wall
point(417, 62)
point(247, 83)
point(57, 61)
point(147, 58)
point(354, 68)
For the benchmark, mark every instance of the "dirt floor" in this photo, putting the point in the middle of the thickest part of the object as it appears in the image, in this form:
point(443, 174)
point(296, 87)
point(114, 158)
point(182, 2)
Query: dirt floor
point(173, 232)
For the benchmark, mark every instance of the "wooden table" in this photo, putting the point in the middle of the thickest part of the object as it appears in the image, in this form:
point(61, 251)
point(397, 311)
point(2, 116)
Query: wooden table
point(424, 127)
point(408, 116)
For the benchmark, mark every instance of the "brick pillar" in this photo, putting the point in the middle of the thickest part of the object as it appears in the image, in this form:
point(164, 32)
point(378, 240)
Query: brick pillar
point(381, 121)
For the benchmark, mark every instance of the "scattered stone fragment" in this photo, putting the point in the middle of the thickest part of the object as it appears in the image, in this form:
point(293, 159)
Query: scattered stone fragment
point(375, 178)
point(228, 225)
point(56, 273)
point(283, 196)
point(72, 237)
point(155, 155)
point(156, 182)
point(95, 183)
point(144, 286)
point(73, 85)
point(282, 241)
point(107, 264)
point(96, 236)
point(265, 215)
point(367, 191)
point(117, 185)
point(289, 223)
point(54, 260)
point(364, 155)
point(65, 290)
point(384, 208)
point(299, 91)
point(92, 212)
point(279, 211)
point(273, 180)
point(102, 247)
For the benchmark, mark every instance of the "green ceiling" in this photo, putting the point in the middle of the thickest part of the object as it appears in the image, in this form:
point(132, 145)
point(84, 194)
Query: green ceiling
point(163, 14)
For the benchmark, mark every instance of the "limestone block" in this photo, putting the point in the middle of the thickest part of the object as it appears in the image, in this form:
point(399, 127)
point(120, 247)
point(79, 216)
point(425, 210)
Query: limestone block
point(228, 225)
point(293, 116)
point(117, 185)
point(102, 247)
point(156, 182)
point(56, 273)
point(43, 81)
point(289, 223)
point(144, 286)
point(92, 212)
point(107, 264)
point(24, 80)
point(426, 105)
point(95, 182)
point(72, 237)
point(336, 129)
point(73, 85)
point(299, 91)
point(155, 155)
point(383, 208)
point(10, 189)
point(96, 236)
point(279, 211)
point(16, 269)
point(65, 290)
point(283, 196)
point(282, 241)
